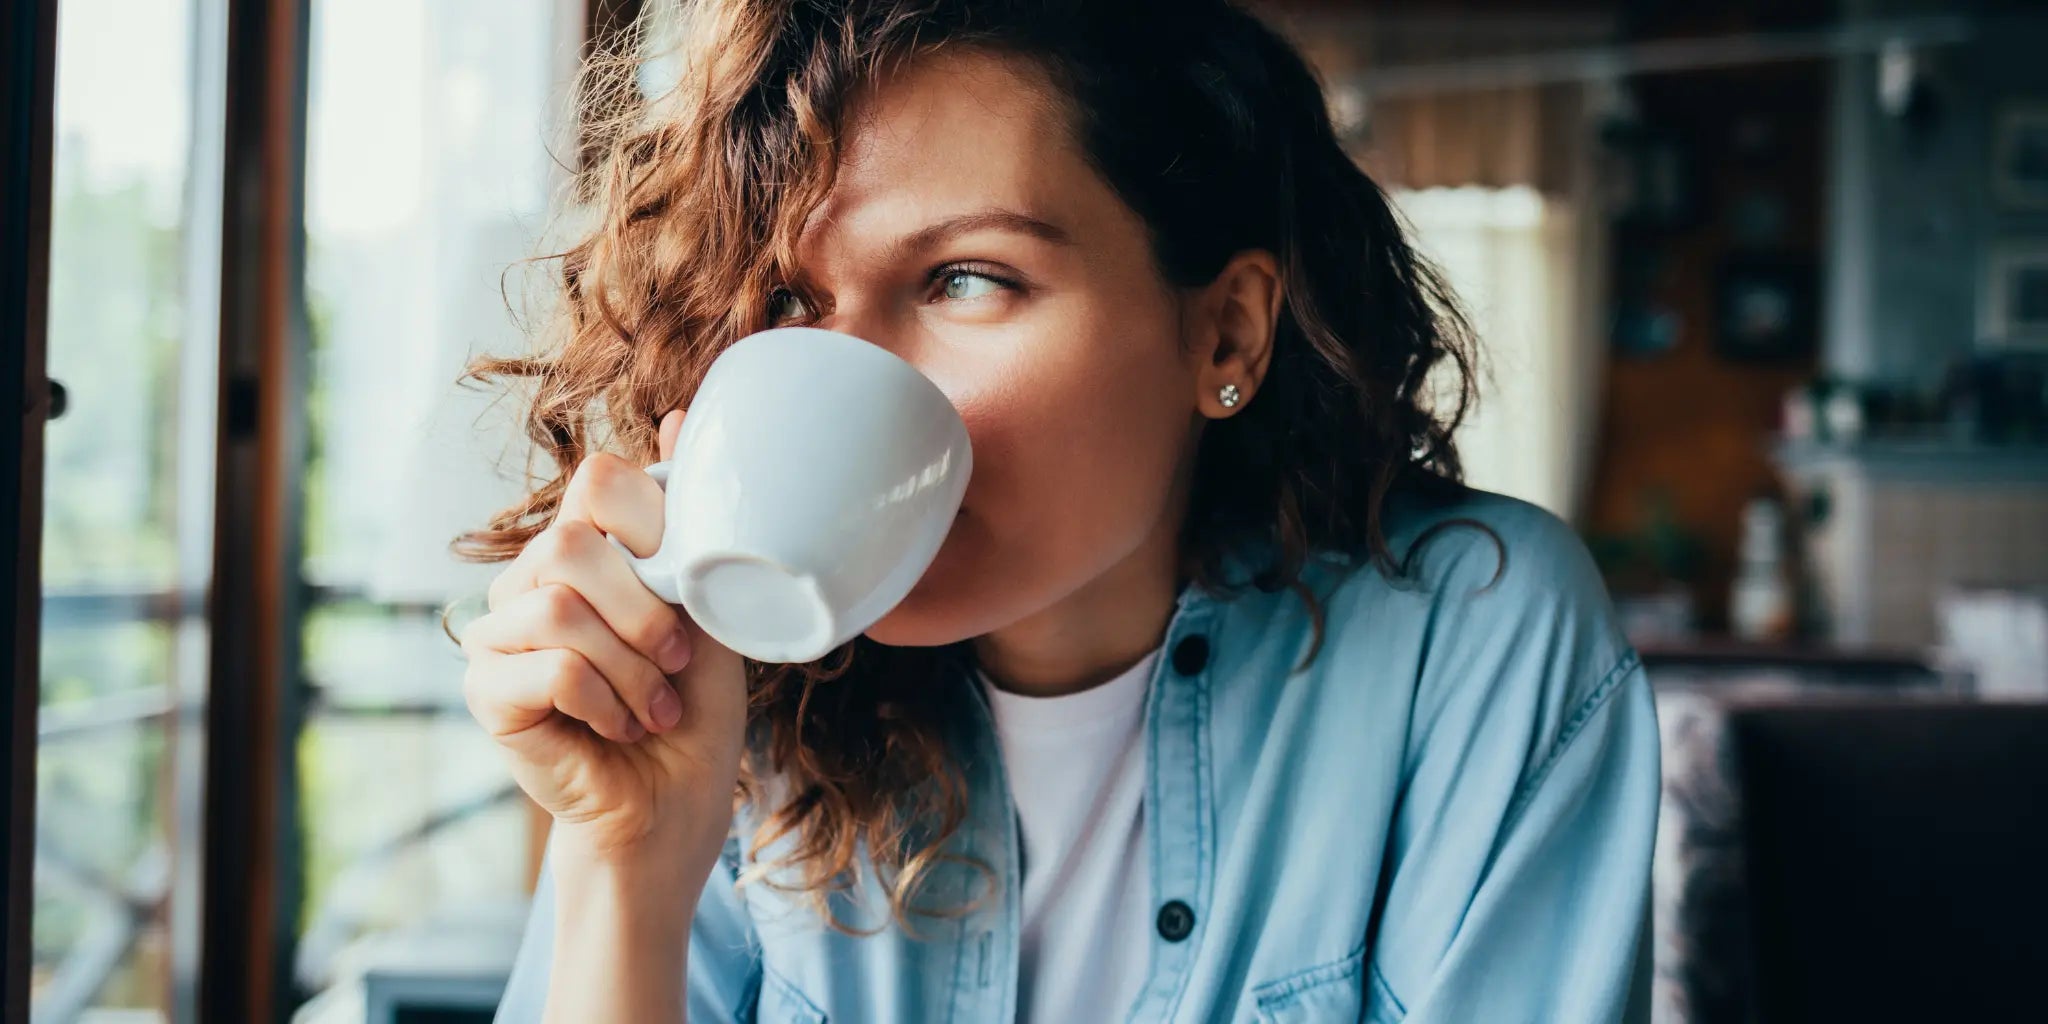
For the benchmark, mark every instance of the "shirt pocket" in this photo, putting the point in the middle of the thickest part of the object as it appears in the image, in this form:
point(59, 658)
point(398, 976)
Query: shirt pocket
point(782, 1003)
point(1333, 991)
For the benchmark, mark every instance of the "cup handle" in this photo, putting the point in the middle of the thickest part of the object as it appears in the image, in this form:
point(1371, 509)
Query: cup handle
point(654, 570)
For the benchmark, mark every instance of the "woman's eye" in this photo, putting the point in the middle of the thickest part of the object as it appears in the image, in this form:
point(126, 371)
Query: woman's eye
point(963, 285)
point(784, 306)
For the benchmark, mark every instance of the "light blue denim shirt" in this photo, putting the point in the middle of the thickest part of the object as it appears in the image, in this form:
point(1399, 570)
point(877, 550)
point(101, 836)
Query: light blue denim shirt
point(1445, 818)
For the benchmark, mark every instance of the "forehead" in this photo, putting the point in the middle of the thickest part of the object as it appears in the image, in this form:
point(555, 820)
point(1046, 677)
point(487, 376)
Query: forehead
point(956, 133)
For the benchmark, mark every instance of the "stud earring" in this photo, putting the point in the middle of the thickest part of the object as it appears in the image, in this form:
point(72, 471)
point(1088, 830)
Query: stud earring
point(1229, 396)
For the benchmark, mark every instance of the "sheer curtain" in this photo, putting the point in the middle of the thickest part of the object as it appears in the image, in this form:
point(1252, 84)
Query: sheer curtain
point(1498, 183)
point(1526, 266)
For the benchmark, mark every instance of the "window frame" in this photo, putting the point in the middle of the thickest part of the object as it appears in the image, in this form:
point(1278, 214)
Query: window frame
point(249, 878)
point(28, 44)
point(239, 866)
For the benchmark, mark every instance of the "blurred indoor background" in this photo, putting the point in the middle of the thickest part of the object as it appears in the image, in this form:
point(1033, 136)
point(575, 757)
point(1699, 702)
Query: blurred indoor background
point(1764, 289)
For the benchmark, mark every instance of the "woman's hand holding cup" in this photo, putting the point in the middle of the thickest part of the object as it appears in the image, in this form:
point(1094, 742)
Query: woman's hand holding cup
point(621, 718)
point(819, 475)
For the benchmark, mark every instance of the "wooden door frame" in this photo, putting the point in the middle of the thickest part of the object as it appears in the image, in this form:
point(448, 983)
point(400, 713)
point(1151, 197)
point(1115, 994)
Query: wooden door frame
point(251, 882)
point(28, 45)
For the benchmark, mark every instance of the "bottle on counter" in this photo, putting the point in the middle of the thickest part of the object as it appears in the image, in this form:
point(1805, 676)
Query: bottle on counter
point(1761, 607)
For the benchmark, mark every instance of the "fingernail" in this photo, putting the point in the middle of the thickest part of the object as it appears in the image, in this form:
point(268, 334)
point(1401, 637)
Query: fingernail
point(665, 709)
point(635, 732)
point(675, 651)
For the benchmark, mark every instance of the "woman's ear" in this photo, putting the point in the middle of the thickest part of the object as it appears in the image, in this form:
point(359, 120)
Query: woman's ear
point(1238, 313)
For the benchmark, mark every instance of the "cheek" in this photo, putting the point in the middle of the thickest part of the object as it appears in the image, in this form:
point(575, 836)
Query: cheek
point(1088, 380)
point(1079, 420)
point(1077, 452)
point(1068, 481)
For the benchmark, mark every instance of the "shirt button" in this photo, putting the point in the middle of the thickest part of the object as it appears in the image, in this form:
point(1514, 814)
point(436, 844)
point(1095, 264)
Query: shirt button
point(1191, 655)
point(1176, 921)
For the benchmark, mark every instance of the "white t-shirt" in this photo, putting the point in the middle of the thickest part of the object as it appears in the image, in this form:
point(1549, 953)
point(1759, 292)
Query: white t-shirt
point(1076, 765)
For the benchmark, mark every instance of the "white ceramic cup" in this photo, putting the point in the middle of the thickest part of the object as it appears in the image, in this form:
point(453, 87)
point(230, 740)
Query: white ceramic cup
point(814, 480)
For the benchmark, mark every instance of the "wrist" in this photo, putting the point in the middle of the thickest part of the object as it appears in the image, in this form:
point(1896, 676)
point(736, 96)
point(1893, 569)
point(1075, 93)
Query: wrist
point(622, 928)
point(641, 897)
point(666, 860)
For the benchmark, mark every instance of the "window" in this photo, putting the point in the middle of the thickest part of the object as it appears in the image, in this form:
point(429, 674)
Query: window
point(127, 512)
point(430, 169)
point(429, 181)
point(1516, 258)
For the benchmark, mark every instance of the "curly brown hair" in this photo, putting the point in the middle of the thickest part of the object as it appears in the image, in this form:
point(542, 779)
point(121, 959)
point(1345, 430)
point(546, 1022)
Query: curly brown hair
point(1201, 117)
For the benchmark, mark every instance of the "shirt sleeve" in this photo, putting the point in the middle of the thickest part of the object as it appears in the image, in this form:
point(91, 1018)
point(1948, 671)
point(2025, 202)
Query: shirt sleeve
point(1517, 882)
point(1552, 924)
point(724, 968)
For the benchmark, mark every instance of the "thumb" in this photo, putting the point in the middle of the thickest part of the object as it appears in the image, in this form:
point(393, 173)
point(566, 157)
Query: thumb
point(671, 425)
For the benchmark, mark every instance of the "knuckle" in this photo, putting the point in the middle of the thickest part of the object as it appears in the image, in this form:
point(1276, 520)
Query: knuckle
point(559, 605)
point(567, 672)
point(652, 631)
point(550, 545)
point(598, 472)
point(577, 539)
point(539, 551)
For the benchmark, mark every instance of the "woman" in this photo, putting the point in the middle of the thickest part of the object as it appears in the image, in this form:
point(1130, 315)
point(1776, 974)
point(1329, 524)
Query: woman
point(1222, 701)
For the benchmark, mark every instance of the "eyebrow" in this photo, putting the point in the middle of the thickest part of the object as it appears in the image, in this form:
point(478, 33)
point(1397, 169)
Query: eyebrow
point(995, 219)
